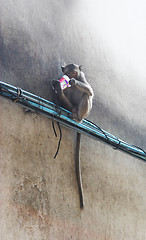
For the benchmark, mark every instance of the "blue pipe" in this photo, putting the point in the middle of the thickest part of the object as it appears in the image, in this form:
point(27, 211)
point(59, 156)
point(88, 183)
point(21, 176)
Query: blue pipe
point(63, 116)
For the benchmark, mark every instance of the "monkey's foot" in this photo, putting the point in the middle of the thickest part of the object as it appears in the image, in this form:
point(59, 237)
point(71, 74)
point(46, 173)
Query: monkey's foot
point(75, 118)
point(75, 115)
point(74, 111)
point(78, 120)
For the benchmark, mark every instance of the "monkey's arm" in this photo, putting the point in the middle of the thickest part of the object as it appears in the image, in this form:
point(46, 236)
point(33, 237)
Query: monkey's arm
point(83, 86)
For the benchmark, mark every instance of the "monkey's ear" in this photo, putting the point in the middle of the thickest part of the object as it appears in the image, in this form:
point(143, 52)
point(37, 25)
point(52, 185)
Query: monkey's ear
point(80, 67)
point(62, 67)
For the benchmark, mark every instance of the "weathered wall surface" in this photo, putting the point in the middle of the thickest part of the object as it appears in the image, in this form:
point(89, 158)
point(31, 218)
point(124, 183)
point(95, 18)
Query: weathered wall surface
point(39, 196)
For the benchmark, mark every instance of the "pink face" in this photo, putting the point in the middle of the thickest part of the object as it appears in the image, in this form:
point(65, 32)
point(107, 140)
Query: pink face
point(72, 74)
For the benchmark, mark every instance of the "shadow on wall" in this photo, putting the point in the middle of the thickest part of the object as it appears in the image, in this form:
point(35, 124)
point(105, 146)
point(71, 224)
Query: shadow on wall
point(36, 39)
point(33, 44)
point(22, 67)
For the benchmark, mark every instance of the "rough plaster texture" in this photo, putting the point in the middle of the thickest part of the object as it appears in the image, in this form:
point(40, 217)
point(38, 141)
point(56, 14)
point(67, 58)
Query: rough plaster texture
point(37, 37)
point(39, 196)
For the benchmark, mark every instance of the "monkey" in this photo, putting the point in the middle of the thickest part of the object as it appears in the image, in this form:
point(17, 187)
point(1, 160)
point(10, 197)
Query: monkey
point(78, 97)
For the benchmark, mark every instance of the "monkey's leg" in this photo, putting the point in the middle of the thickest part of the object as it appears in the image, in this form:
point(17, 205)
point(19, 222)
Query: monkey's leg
point(84, 107)
point(60, 94)
point(66, 101)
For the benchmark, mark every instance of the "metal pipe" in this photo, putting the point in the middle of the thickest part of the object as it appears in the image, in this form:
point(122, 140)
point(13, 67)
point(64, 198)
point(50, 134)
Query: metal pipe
point(63, 116)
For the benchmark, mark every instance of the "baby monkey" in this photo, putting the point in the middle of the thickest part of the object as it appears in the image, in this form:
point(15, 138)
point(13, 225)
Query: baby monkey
point(78, 97)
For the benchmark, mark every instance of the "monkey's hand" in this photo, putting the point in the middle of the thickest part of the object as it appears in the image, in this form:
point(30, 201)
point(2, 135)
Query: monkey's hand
point(72, 82)
point(56, 86)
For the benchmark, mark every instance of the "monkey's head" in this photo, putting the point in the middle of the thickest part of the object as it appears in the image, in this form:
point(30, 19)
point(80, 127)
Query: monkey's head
point(71, 70)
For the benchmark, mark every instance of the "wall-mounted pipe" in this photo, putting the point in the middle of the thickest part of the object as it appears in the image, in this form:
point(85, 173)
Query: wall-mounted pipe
point(63, 116)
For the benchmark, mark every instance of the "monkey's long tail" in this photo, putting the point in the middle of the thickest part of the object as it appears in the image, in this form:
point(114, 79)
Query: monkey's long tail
point(78, 170)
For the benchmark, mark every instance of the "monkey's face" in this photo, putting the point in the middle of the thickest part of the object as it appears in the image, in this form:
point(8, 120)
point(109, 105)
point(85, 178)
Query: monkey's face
point(71, 70)
point(72, 74)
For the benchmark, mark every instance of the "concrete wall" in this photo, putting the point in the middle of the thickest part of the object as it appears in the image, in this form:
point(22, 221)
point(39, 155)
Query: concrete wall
point(39, 196)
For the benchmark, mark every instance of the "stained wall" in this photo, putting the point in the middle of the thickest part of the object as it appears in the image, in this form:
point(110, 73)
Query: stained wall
point(39, 196)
